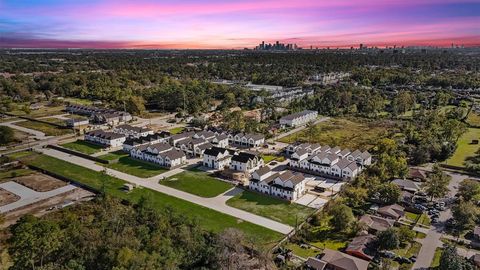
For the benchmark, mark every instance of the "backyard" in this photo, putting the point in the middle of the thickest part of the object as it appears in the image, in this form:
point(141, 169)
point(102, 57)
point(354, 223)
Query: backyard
point(198, 183)
point(209, 219)
point(83, 147)
point(136, 167)
point(345, 133)
point(49, 130)
point(114, 155)
point(273, 208)
point(465, 148)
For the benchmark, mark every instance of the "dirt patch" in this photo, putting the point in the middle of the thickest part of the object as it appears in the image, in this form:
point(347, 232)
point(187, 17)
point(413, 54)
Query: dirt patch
point(40, 182)
point(6, 197)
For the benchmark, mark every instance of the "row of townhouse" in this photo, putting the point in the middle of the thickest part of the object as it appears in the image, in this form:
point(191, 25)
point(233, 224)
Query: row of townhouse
point(162, 154)
point(158, 137)
point(109, 139)
point(195, 144)
point(246, 139)
point(330, 161)
point(100, 115)
point(286, 185)
point(298, 119)
point(221, 158)
point(132, 132)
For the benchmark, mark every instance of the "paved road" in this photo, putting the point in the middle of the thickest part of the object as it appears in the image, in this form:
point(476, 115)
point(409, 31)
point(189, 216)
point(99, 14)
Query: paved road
point(29, 196)
point(217, 203)
point(38, 134)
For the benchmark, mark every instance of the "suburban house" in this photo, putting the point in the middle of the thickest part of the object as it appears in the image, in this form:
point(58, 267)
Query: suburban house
point(161, 154)
point(393, 211)
point(149, 139)
point(105, 138)
point(376, 224)
point(298, 119)
point(217, 158)
point(246, 162)
point(286, 185)
point(359, 247)
point(336, 260)
point(417, 174)
point(131, 131)
point(247, 140)
point(311, 148)
point(327, 161)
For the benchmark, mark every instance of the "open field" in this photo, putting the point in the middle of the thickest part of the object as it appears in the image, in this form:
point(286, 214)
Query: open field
point(44, 111)
point(6, 197)
point(465, 149)
point(40, 182)
point(303, 252)
point(473, 119)
point(114, 155)
point(54, 120)
point(346, 133)
point(198, 183)
point(49, 130)
point(80, 101)
point(83, 147)
point(209, 219)
point(273, 208)
point(4, 176)
point(136, 167)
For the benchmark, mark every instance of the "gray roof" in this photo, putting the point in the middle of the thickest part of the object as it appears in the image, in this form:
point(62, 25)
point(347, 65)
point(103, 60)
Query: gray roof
point(160, 147)
point(343, 261)
point(297, 115)
point(173, 154)
point(134, 129)
point(263, 170)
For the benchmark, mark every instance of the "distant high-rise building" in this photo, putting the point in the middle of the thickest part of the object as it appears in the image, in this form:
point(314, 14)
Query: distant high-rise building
point(277, 46)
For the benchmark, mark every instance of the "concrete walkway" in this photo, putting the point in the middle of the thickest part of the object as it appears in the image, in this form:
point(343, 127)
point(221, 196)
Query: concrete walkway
point(38, 134)
point(217, 203)
point(29, 196)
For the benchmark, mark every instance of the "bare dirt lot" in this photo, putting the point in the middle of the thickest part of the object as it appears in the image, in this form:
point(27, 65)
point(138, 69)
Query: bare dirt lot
point(6, 197)
point(40, 182)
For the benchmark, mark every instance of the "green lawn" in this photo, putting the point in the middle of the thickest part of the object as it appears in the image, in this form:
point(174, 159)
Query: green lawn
point(269, 158)
point(465, 149)
point(44, 111)
point(273, 208)
point(302, 252)
point(436, 258)
point(209, 219)
point(114, 155)
point(424, 218)
point(473, 119)
point(176, 130)
point(49, 130)
point(83, 147)
point(346, 133)
point(198, 183)
point(136, 167)
point(15, 173)
point(54, 120)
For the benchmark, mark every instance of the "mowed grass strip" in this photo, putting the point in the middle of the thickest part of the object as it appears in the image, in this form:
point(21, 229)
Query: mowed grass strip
point(345, 133)
point(465, 148)
point(209, 219)
point(136, 167)
point(49, 130)
point(114, 155)
point(83, 147)
point(198, 183)
point(272, 208)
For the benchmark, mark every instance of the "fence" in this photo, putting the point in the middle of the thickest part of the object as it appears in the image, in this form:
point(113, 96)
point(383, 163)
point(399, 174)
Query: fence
point(78, 154)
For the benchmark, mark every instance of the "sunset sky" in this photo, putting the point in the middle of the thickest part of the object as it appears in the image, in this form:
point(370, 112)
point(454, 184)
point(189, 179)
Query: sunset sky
point(208, 24)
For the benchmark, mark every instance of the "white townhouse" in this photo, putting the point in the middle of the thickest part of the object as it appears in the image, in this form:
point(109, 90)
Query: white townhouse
point(149, 139)
point(173, 158)
point(220, 140)
point(174, 139)
point(248, 140)
point(204, 134)
point(76, 122)
point(286, 185)
point(309, 147)
point(298, 119)
point(132, 132)
point(322, 162)
point(162, 154)
point(362, 158)
point(297, 157)
point(217, 158)
point(261, 179)
point(245, 162)
point(109, 139)
point(345, 169)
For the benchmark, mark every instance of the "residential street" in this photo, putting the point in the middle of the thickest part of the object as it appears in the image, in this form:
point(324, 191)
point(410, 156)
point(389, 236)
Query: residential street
point(217, 203)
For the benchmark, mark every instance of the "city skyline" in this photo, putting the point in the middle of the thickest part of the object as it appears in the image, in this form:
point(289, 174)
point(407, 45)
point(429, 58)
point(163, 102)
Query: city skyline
point(214, 24)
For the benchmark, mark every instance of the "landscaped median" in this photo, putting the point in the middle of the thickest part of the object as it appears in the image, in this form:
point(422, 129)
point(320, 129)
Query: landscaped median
point(209, 219)
point(198, 183)
point(272, 208)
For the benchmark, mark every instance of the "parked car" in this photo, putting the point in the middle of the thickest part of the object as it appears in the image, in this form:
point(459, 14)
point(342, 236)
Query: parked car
point(413, 258)
point(387, 254)
point(402, 260)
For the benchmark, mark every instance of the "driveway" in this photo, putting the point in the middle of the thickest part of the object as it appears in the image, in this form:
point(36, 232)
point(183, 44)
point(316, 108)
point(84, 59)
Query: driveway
point(29, 196)
point(216, 203)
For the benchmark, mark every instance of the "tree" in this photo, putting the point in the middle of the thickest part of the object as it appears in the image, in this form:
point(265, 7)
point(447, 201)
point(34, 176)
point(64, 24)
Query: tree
point(135, 105)
point(312, 131)
point(341, 217)
point(388, 239)
point(436, 185)
point(387, 193)
point(450, 260)
point(355, 196)
point(469, 189)
point(7, 135)
point(405, 235)
point(466, 213)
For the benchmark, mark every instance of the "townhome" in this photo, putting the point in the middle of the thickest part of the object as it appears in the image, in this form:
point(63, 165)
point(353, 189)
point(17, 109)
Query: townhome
point(247, 140)
point(174, 139)
point(322, 162)
point(309, 147)
point(205, 134)
point(288, 186)
point(217, 158)
point(132, 132)
point(76, 122)
point(298, 119)
point(173, 158)
point(297, 157)
point(246, 162)
point(220, 140)
point(161, 154)
point(109, 139)
point(362, 158)
point(149, 139)
point(261, 180)
point(100, 115)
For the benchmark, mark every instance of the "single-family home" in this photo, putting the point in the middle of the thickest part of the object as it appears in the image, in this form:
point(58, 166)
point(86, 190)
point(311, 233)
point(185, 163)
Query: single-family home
point(375, 223)
point(360, 247)
point(336, 260)
point(393, 211)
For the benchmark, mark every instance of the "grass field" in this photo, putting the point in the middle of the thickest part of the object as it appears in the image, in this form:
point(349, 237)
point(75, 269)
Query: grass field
point(465, 149)
point(44, 111)
point(269, 158)
point(49, 130)
point(113, 155)
point(198, 183)
point(473, 119)
point(302, 252)
point(83, 147)
point(176, 130)
point(54, 120)
point(352, 134)
point(209, 219)
point(136, 167)
point(424, 218)
point(4, 176)
point(436, 258)
point(273, 208)
point(80, 101)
